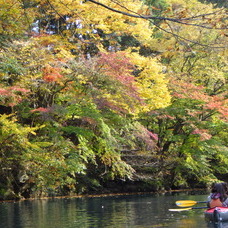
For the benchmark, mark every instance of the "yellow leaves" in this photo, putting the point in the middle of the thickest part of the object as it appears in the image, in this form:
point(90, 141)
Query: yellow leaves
point(141, 31)
point(60, 47)
point(87, 16)
point(82, 79)
point(151, 83)
point(13, 133)
point(13, 18)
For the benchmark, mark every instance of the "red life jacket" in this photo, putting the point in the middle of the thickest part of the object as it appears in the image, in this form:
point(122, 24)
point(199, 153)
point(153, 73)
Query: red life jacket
point(215, 203)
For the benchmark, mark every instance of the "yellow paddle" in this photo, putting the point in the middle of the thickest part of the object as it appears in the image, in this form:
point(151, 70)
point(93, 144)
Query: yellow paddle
point(187, 203)
point(187, 208)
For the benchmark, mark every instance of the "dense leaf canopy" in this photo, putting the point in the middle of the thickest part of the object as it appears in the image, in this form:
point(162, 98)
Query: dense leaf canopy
point(97, 92)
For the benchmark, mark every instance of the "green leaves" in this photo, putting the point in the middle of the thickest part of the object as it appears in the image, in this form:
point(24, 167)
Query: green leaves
point(82, 91)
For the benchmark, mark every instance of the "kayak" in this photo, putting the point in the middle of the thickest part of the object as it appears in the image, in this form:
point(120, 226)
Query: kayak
point(217, 214)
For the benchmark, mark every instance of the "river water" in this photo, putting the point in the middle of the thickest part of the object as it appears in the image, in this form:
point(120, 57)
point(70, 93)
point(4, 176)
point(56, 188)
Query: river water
point(120, 211)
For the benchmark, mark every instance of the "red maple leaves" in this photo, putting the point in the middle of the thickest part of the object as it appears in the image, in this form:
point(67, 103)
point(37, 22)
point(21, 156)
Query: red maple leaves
point(12, 95)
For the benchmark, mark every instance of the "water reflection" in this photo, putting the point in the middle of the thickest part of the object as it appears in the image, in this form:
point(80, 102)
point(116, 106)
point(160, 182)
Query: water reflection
point(138, 211)
point(218, 225)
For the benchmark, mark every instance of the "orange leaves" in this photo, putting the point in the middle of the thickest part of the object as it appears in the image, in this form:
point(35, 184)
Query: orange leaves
point(51, 74)
point(40, 109)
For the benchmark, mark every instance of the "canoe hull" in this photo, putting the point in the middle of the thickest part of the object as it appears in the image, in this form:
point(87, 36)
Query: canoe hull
point(217, 214)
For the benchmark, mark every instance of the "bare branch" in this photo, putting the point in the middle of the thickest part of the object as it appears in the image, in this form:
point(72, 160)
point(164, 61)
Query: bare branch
point(176, 20)
point(180, 21)
point(185, 39)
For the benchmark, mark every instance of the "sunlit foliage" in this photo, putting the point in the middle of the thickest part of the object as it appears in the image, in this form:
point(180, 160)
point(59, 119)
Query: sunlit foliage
point(83, 84)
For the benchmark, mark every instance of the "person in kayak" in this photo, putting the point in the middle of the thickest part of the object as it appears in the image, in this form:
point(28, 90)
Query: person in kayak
point(218, 196)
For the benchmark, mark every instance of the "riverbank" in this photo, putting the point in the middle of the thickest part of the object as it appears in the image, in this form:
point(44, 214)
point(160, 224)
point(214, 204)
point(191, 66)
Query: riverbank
point(164, 192)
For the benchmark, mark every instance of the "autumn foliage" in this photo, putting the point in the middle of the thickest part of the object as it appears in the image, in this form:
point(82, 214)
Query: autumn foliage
point(100, 92)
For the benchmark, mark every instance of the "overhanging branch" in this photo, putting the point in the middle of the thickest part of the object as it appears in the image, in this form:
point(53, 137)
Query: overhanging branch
point(182, 21)
point(179, 20)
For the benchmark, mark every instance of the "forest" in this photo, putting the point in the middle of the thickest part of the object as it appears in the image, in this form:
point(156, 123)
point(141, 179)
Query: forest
point(109, 96)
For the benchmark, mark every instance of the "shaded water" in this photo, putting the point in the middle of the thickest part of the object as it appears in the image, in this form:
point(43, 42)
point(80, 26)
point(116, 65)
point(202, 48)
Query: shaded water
point(132, 211)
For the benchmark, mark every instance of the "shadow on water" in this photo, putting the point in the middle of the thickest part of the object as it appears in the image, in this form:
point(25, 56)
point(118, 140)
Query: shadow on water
point(133, 211)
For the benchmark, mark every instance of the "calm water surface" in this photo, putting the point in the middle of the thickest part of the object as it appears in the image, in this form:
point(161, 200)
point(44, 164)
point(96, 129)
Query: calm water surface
point(134, 211)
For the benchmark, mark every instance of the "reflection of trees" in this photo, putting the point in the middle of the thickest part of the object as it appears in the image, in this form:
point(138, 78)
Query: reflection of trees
point(100, 212)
